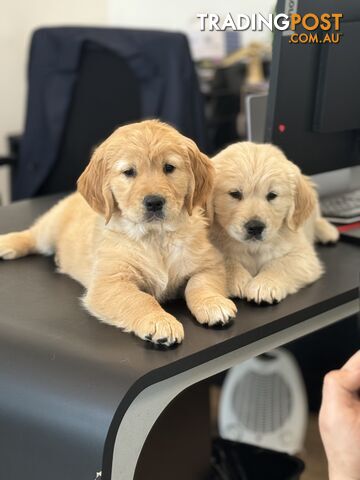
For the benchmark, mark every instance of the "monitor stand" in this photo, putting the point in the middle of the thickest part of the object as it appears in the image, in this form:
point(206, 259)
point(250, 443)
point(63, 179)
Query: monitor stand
point(337, 181)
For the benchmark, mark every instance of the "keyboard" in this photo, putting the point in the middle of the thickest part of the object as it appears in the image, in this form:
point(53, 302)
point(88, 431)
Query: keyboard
point(344, 208)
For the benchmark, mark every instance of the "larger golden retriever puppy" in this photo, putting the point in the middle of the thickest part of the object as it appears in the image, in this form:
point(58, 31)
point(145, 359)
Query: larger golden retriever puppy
point(266, 219)
point(134, 234)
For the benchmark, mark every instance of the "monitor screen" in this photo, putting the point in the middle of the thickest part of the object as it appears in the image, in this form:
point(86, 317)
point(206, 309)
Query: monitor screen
point(313, 111)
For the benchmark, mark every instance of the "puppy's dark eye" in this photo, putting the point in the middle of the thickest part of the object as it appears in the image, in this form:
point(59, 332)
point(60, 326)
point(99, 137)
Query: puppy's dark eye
point(130, 172)
point(168, 168)
point(270, 196)
point(236, 194)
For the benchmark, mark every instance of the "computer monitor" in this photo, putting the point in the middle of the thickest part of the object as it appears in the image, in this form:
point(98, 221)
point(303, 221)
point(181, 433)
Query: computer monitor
point(313, 111)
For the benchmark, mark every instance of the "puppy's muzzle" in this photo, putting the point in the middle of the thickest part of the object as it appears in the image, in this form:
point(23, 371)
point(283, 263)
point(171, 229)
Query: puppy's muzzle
point(254, 229)
point(154, 206)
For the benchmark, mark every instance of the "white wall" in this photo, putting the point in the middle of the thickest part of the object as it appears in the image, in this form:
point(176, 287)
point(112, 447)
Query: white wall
point(17, 20)
point(181, 15)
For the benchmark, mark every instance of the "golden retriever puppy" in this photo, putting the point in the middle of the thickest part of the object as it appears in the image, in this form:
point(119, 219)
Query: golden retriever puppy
point(266, 219)
point(134, 234)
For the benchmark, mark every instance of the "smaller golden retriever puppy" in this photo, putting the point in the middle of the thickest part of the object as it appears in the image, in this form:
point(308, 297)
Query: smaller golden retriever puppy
point(266, 219)
point(134, 234)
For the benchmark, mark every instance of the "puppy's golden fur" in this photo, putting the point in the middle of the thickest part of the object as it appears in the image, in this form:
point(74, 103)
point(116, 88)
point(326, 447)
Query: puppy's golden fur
point(127, 257)
point(272, 192)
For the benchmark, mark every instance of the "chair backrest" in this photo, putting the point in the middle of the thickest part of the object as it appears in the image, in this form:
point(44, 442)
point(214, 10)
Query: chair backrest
point(106, 95)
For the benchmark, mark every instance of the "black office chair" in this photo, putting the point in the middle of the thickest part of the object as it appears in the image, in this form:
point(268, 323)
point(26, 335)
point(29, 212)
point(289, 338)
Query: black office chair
point(94, 113)
point(83, 83)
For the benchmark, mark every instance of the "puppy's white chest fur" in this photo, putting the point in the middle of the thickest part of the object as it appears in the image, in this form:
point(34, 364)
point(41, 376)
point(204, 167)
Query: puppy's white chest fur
point(169, 263)
point(254, 257)
point(165, 258)
point(177, 266)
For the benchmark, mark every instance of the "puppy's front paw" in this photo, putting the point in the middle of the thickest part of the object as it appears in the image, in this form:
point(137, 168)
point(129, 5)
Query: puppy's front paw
point(214, 311)
point(266, 290)
point(238, 283)
point(162, 329)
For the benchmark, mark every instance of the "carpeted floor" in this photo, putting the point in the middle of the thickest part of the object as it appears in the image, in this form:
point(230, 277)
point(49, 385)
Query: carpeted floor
point(313, 454)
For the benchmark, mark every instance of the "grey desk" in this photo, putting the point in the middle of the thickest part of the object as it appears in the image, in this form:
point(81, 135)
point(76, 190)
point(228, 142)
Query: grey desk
point(78, 397)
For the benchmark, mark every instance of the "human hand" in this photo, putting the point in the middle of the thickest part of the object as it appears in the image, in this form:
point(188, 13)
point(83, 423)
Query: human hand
point(339, 420)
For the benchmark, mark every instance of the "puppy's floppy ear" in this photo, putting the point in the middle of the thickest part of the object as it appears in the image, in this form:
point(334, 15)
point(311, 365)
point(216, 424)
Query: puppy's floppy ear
point(209, 209)
point(202, 178)
point(304, 202)
point(93, 184)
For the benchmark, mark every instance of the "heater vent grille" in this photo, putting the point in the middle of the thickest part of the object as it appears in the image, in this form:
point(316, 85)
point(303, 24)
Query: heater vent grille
point(262, 402)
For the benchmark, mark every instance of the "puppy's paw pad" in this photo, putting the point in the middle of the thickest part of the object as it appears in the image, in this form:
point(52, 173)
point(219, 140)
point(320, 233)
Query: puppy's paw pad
point(215, 311)
point(265, 291)
point(162, 330)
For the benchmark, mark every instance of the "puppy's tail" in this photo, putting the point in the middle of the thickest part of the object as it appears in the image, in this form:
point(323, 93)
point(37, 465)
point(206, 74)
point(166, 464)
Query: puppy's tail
point(325, 232)
point(318, 230)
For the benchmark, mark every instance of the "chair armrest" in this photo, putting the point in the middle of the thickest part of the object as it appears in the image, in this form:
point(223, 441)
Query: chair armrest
point(14, 144)
point(11, 161)
point(14, 148)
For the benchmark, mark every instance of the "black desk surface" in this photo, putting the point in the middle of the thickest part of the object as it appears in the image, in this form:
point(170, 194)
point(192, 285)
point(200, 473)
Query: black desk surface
point(63, 371)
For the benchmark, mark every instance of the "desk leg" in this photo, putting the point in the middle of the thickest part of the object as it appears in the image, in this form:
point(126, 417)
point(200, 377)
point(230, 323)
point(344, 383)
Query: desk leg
point(148, 405)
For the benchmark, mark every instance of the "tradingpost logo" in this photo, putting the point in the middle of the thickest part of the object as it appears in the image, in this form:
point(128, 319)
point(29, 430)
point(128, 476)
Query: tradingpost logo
point(327, 26)
point(315, 28)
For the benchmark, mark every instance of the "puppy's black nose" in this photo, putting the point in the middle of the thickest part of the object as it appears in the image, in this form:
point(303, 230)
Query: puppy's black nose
point(154, 203)
point(254, 228)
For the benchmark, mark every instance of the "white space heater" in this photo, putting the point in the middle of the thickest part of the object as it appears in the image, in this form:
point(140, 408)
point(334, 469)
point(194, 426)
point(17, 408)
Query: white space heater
point(263, 402)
